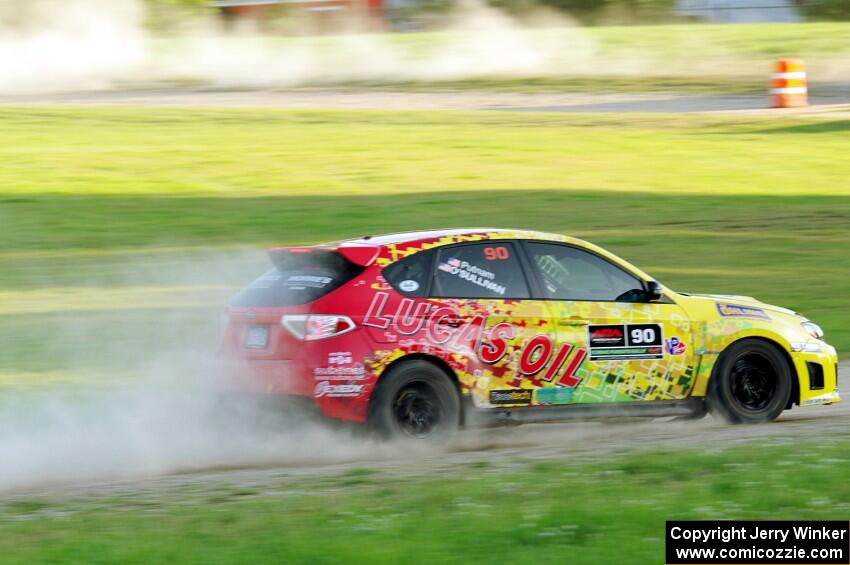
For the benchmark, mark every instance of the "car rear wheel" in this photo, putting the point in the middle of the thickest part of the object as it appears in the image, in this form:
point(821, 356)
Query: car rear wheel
point(751, 383)
point(416, 399)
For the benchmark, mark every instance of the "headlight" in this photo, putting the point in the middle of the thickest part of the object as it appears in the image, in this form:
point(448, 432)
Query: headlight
point(814, 330)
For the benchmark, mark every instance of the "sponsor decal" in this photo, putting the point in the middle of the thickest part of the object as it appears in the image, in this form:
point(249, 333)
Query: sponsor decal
point(819, 399)
point(356, 373)
point(627, 353)
point(339, 358)
point(516, 396)
point(298, 282)
point(625, 342)
point(608, 336)
point(492, 351)
point(535, 354)
point(335, 370)
point(553, 395)
point(408, 285)
point(675, 346)
point(445, 326)
point(738, 311)
point(326, 389)
point(470, 273)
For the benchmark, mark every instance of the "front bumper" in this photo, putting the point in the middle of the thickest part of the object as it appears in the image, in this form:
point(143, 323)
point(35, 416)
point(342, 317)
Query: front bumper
point(818, 375)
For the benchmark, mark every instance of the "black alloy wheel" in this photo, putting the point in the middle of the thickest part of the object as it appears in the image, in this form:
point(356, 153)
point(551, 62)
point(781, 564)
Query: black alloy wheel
point(417, 410)
point(415, 399)
point(751, 383)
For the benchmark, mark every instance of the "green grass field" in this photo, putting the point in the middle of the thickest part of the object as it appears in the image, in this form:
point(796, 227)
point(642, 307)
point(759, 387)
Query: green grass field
point(123, 231)
point(114, 218)
point(693, 58)
point(517, 511)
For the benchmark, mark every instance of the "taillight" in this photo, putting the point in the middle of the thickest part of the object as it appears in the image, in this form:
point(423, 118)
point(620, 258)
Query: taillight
point(316, 326)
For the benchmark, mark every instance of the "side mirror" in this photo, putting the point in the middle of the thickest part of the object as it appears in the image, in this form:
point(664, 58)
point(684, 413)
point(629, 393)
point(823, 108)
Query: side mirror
point(653, 291)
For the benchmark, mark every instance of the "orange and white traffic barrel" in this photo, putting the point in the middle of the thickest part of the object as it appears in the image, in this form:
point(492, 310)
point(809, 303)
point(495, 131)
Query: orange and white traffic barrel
point(788, 87)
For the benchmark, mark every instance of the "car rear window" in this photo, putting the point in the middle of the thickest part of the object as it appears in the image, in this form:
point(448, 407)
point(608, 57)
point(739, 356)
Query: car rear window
point(297, 278)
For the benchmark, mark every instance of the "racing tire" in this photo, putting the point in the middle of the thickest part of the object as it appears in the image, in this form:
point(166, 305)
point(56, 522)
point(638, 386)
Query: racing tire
point(751, 383)
point(415, 399)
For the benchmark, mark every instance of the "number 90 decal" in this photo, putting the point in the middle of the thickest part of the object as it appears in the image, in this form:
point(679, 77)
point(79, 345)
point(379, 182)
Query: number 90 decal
point(497, 253)
point(638, 336)
point(625, 342)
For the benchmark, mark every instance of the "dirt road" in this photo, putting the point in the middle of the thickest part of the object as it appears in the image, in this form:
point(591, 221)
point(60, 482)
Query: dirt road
point(499, 447)
point(834, 102)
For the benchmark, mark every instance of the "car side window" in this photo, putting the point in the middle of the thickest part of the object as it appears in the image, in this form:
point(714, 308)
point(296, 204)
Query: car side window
point(570, 273)
point(480, 270)
point(409, 276)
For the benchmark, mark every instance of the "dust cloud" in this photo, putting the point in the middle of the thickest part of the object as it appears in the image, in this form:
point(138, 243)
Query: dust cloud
point(74, 45)
point(53, 46)
point(140, 397)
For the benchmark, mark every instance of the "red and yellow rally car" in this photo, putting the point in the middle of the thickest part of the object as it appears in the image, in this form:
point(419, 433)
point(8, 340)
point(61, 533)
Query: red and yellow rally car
point(416, 333)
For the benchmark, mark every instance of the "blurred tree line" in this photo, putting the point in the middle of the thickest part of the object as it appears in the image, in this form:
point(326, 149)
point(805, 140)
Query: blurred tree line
point(599, 12)
point(164, 15)
point(585, 11)
point(179, 4)
point(836, 10)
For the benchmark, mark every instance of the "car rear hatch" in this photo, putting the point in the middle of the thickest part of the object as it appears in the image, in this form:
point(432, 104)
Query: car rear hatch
point(299, 276)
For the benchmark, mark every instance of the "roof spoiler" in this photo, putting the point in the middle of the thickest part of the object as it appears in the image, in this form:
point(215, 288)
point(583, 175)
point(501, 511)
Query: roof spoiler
point(360, 255)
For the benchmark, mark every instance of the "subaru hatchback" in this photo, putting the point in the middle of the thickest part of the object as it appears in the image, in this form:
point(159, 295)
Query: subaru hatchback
point(415, 333)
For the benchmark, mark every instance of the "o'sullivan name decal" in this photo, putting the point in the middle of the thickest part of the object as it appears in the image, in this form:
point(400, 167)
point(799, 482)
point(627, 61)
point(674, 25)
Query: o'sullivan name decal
point(442, 325)
point(475, 275)
point(616, 342)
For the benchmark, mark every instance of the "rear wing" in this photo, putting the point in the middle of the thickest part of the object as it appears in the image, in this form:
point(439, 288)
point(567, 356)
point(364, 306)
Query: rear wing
point(359, 255)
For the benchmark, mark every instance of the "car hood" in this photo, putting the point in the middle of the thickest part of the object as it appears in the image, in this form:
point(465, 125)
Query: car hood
point(743, 301)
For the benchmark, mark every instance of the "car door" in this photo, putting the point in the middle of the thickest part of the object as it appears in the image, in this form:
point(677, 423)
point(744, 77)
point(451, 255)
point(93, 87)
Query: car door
point(504, 335)
point(634, 349)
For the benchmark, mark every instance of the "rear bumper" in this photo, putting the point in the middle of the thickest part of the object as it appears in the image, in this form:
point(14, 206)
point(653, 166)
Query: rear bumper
point(264, 377)
point(339, 398)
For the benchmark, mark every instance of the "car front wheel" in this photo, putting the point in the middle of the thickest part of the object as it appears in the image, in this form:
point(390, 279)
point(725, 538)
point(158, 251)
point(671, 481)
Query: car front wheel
point(751, 383)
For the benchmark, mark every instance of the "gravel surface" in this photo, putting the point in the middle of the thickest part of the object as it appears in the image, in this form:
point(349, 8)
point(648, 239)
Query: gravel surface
point(506, 447)
point(836, 100)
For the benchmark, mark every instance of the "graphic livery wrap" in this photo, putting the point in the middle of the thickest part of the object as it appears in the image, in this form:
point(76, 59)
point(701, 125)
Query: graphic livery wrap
point(501, 352)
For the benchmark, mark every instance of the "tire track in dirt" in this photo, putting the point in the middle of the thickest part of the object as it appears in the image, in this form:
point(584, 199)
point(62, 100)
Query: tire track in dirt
point(504, 446)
